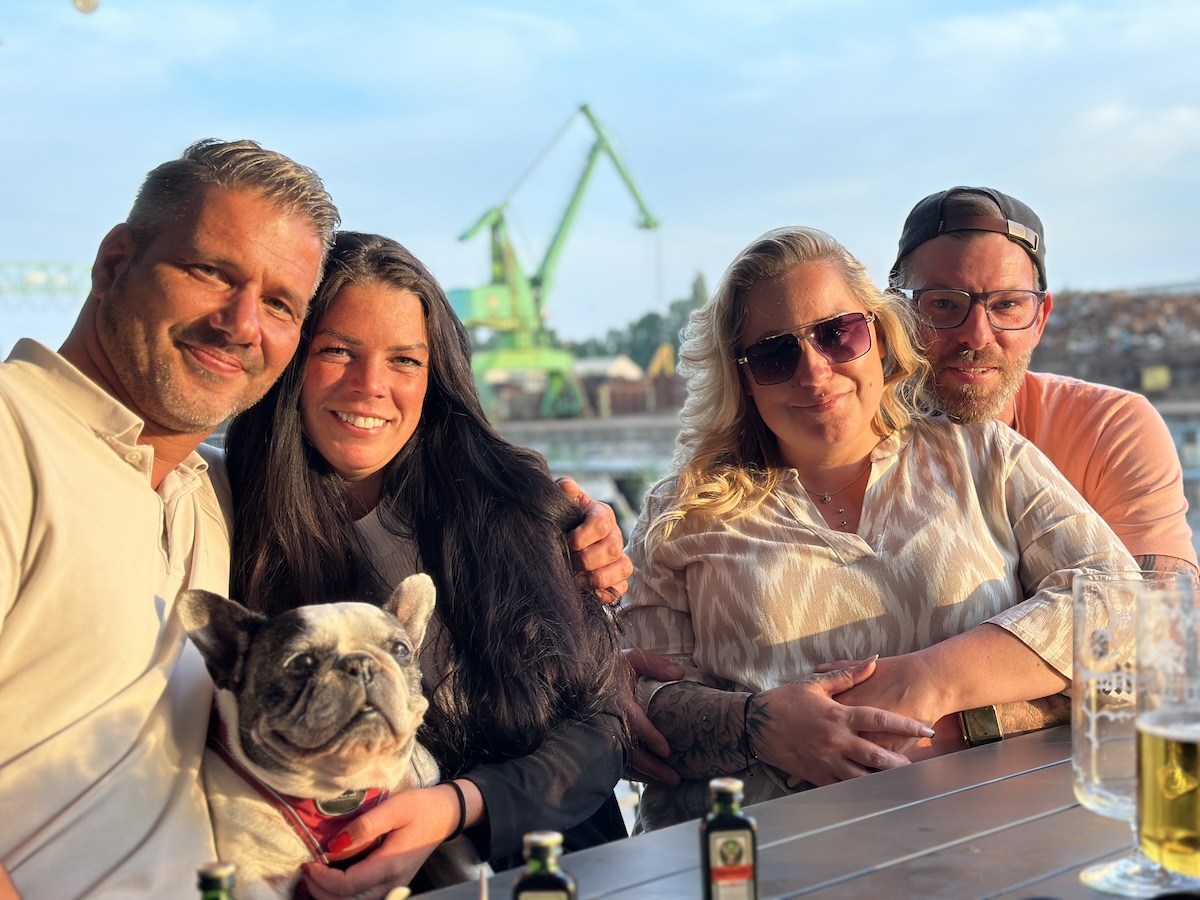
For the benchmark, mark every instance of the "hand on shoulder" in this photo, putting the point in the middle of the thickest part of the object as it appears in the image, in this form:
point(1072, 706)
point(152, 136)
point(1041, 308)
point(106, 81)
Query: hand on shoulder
point(597, 546)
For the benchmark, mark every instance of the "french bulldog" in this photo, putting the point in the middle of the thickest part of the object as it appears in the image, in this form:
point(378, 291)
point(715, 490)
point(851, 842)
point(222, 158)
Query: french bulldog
point(316, 714)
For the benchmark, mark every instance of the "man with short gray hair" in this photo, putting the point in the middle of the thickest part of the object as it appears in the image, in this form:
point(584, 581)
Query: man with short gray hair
point(110, 506)
point(108, 511)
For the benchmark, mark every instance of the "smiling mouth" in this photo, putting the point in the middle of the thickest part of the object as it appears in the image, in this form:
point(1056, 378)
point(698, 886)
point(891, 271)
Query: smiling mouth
point(215, 362)
point(822, 403)
point(972, 371)
point(361, 421)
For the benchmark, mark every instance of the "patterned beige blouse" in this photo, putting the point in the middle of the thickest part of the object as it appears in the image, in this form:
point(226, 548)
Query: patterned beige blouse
point(960, 525)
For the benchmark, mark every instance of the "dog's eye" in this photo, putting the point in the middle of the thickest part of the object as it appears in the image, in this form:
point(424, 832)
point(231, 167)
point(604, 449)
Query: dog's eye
point(401, 650)
point(300, 664)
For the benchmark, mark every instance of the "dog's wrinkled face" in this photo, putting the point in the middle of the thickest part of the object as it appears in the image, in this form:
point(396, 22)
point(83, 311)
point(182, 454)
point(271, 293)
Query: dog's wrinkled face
point(329, 686)
point(322, 692)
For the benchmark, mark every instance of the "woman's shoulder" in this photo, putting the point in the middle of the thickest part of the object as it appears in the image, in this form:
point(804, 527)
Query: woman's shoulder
point(663, 491)
point(752, 488)
point(979, 446)
point(942, 430)
point(660, 497)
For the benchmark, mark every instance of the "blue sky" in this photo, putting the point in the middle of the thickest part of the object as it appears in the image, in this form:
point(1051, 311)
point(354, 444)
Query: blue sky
point(733, 118)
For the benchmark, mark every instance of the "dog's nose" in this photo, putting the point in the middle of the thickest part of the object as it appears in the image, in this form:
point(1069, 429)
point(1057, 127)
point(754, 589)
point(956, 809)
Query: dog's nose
point(359, 665)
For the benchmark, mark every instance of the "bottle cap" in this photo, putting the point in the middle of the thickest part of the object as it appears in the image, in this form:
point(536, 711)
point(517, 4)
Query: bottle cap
point(216, 875)
point(728, 786)
point(543, 839)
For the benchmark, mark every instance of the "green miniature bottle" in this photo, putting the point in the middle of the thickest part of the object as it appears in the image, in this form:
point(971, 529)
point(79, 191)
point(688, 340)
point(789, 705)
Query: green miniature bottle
point(728, 845)
point(543, 878)
point(215, 881)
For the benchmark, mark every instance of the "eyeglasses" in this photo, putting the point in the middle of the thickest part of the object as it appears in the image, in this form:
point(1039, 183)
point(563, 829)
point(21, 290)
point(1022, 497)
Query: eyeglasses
point(773, 360)
point(1006, 310)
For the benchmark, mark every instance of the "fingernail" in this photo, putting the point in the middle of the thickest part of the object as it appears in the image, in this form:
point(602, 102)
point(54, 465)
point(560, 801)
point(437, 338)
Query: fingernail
point(927, 732)
point(340, 843)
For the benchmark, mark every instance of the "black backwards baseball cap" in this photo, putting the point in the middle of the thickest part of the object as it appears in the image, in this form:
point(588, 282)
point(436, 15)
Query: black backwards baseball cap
point(929, 218)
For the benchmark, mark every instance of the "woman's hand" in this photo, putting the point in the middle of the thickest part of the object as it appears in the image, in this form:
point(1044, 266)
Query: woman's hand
point(947, 738)
point(413, 824)
point(597, 546)
point(801, 729)
point(904, 685)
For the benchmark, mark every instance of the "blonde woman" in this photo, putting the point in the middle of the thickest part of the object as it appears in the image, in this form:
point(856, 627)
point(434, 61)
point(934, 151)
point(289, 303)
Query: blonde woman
point(814, 513)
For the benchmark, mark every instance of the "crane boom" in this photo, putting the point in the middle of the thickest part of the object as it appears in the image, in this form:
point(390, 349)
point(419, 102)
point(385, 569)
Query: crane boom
point(513, 307)
point(603, 146)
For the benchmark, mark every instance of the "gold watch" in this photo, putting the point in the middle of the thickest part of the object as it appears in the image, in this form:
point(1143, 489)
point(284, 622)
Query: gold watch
point(980, 725)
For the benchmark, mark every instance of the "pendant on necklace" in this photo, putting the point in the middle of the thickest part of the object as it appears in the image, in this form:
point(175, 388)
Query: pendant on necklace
point(827, 497)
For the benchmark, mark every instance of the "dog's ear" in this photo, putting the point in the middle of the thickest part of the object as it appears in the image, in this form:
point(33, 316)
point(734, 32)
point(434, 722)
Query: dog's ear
point(412, 603)
point(220, 629)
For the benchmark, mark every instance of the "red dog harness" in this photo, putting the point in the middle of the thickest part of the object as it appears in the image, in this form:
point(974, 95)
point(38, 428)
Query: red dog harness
point(315, 826)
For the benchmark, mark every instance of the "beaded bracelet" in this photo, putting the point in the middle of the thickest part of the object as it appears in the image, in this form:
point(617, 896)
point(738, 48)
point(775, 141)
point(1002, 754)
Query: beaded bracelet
point(747, 746)
point(462, 810)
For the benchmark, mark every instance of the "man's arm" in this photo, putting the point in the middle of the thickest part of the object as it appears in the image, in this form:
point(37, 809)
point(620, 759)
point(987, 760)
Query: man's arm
point(703, 728)
point(798, 728)
point(1154, 563)
point(984, 666)
point(1013, 718)
point(1032, 715)
point(597, 546)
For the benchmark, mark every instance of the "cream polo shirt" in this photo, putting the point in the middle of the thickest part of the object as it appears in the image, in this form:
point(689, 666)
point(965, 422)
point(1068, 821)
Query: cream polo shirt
point(104, 705)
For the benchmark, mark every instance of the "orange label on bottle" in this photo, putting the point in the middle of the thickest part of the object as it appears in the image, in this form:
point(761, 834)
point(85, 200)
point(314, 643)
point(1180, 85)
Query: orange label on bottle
point(732, 873)
point(731, 864)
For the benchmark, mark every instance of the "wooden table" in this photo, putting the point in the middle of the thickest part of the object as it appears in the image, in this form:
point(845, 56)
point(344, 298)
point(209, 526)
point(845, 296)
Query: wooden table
point(995, 821)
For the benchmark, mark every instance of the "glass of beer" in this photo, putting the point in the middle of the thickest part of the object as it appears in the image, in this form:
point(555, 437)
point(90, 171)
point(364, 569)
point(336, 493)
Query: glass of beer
point(1104, 716)
point(1168, 730)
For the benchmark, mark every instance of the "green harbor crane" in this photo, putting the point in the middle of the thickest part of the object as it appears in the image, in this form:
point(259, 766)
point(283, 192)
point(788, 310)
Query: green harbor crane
point(513, 306)
point(20, 281)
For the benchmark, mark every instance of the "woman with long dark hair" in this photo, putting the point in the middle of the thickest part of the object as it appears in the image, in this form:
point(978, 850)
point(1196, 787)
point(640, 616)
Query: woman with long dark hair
point(371, 459)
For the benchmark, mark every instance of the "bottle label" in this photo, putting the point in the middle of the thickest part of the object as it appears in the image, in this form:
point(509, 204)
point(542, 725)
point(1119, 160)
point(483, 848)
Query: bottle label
point(731, 860)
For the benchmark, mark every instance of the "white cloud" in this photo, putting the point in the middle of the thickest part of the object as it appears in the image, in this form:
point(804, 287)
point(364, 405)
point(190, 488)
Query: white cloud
point(1118, 141)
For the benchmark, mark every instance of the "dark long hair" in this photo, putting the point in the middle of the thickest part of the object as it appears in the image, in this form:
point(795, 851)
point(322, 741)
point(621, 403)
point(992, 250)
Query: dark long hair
point(526, 648)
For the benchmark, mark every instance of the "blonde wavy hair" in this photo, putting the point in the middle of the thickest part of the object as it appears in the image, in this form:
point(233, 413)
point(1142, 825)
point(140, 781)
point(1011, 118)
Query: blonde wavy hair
point(726, 460)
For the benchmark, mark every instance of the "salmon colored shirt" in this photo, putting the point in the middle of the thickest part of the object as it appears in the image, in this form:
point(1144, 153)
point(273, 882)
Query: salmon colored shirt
point(1115, 449)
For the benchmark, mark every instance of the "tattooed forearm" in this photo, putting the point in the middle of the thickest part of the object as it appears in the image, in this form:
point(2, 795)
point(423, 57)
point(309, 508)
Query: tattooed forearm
point(703, 725)
point(1155, 563)
point(1022, 716)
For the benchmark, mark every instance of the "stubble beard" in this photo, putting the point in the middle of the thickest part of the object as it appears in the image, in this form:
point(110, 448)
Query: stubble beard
point(150, 369)
point(189, 408)
point(971, 403)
